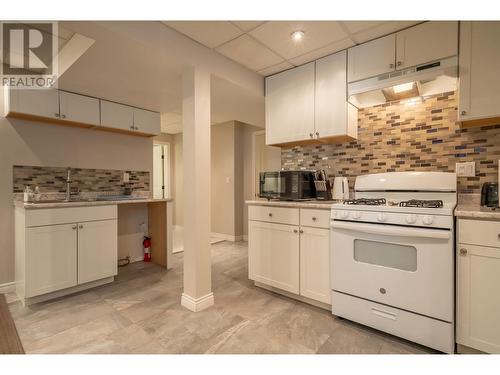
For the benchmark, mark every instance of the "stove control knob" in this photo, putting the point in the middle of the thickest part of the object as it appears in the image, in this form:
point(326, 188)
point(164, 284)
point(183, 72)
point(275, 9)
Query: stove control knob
point(382, 217)
point(356, 215)
point(411, 219)
point(344, 214)
point(427, 220)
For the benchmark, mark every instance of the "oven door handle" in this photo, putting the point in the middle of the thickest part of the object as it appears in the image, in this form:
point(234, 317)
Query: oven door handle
point(390, 230)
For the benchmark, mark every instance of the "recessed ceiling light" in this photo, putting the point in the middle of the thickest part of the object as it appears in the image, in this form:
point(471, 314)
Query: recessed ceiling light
point(297, 35)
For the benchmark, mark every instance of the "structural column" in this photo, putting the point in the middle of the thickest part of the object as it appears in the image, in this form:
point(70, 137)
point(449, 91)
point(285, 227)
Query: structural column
point(196, 164)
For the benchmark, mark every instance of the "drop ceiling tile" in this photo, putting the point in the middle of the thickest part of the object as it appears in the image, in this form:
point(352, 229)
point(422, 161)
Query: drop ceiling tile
point(384, 28)
point(247, 25)
point(246, 51)
point(208, 33)
point(276, 35)
point(275, 68)
point(322, 52)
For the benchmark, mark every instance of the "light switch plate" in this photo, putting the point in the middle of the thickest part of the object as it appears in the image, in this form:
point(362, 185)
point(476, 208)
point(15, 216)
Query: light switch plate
point(466, 169)
point(126, 177)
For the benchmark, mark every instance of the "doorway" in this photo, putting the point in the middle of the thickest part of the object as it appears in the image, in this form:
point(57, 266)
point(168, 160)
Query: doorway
point(265, 158)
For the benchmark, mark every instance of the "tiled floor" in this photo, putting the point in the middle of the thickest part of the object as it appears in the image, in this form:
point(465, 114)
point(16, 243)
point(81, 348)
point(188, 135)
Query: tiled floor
point(141, 313)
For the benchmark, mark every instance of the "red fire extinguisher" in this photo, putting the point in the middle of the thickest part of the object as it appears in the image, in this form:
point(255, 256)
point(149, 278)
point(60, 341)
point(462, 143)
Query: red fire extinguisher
point(146, 244)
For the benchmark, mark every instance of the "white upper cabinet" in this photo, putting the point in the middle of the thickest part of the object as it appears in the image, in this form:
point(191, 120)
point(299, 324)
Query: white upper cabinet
point(36, 102)
point(372, 58)
point(79, 108)
point(479, 71)
point(331, 107)
point(426, 42)
point(290, 105)
point(147, 122)
point(117, 116)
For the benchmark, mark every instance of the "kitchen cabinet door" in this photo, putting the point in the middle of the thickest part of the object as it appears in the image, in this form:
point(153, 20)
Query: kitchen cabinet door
point(426, 42)
point(147, 122)
point(117, 116)
point(290, 105)
point(97, 250)
point(79, 108)
point(315, 264)
point(273, 255)
point(479, 71)
point(371, 58)
point(41, 103)
point(478, 297)
point(51, 258)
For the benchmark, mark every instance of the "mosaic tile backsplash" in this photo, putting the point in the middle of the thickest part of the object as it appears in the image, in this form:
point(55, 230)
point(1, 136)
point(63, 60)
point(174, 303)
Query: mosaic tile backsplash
point(53, 179)
point(411, 136)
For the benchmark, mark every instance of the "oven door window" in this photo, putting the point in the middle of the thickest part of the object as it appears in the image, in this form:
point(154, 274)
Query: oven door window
point(402, 257)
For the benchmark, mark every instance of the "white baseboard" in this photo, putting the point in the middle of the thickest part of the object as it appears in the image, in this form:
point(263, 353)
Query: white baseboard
point(227, 237)
point(8, 287)
point(197, 304)
point(137, 259)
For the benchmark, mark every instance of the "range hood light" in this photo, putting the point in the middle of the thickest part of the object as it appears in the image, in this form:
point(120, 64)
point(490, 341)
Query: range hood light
point(403, 87)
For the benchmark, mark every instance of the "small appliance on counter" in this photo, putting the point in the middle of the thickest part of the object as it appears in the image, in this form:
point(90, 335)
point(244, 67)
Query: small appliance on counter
point(340, 188)
point(322, 185)
point(489, 194)
point(287, 185)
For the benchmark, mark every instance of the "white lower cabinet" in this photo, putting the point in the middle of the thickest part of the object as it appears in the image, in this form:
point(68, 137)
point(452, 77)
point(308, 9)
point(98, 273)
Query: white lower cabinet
point(315, 264)
point(60, 248)
point(51, 256)
point(288, 256)
point(97, 250)
point(478, 285)
point(274, 255)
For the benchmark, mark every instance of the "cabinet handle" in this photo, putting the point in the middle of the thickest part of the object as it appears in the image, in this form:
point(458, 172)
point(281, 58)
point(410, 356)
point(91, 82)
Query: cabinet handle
point(132, 127)
point(463, 113)
point(56, 114)
point(311, 135)
point(463, 251)
point(295, 231)
point(63, 116)
point(314, 219)
point(400, 63)
point(317, 134)
point(391, 66)
point(80, 226)
point(301, 231)
point(74, 227)
point(270, 214)
point(498, 235)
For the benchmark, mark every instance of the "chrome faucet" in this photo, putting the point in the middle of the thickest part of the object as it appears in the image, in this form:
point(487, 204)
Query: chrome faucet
point(68, 184)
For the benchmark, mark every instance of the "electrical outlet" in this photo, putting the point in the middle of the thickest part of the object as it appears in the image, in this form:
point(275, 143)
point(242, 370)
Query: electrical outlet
point(126, 177)
point(466, 169)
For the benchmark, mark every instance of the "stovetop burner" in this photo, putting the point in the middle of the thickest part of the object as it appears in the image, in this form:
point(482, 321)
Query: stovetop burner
point(366, 201)
point(422, 203)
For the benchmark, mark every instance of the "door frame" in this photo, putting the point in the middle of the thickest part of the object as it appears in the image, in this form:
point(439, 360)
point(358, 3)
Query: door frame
point(166, 169)
point(254, 172)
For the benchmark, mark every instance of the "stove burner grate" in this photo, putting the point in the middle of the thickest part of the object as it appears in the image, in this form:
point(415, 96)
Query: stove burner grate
point(422, 203)
point(366, 201)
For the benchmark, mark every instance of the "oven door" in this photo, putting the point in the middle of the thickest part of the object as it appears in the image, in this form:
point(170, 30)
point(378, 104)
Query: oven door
point(405, 267)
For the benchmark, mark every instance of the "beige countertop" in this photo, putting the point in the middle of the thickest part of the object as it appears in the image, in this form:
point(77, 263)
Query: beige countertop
point(469, 210)
point(89, 203)
point(325, 205)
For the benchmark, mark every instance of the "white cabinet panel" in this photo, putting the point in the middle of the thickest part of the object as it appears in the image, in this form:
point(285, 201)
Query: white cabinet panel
point(51, 253)
point(279, 215)
point(479, 71)
point(315, 218)
point(372, 58)
point(79, 108)
point(147, 122)
point(425, 43)
point(478, 232)
point(97, 250)
point(273, 254)
point(290, 105)
point(117, 116)
point(43, 103)
point(478, 297)
point(331, 96)
point(315, 264)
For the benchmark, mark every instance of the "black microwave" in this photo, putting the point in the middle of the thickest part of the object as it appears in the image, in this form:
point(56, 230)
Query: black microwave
point(287, 185)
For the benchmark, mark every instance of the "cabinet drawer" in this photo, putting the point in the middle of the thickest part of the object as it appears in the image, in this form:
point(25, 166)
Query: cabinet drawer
point(282, 215)
point(414, 327)
point(315, 218)
point(478, 232)
point(64, 215)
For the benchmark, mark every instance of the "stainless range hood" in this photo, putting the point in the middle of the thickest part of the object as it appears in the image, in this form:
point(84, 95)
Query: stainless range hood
point(422, 80)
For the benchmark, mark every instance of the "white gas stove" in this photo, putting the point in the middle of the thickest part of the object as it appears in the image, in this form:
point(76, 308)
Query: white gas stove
point(392, 254)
